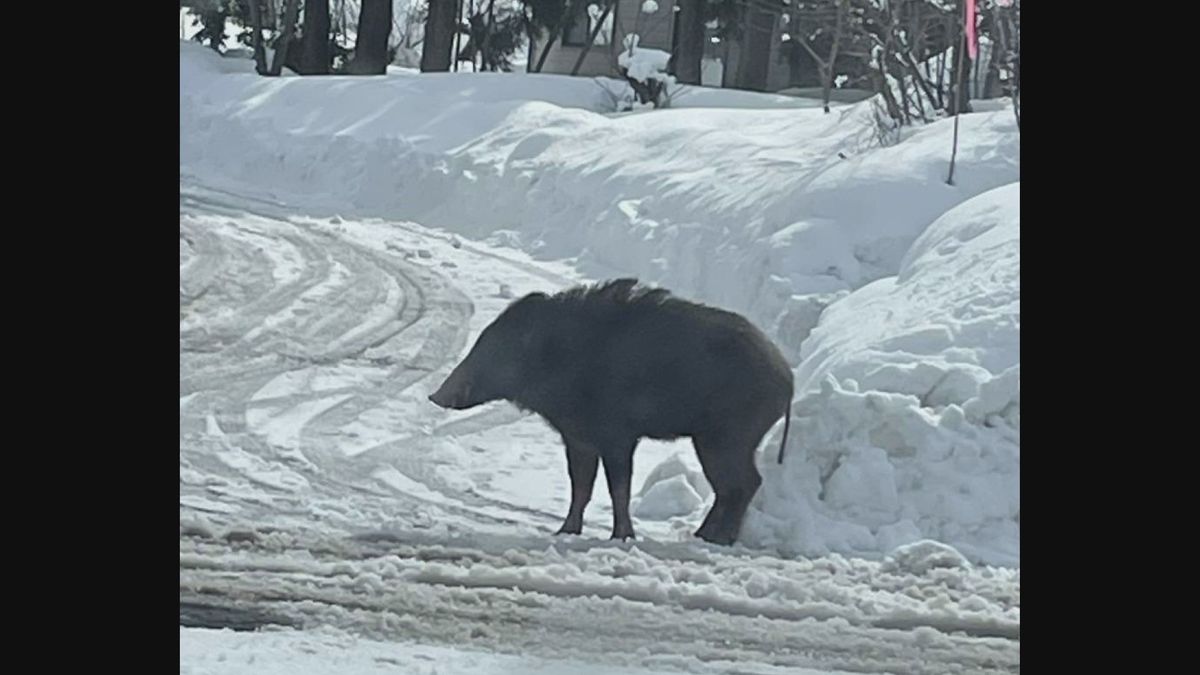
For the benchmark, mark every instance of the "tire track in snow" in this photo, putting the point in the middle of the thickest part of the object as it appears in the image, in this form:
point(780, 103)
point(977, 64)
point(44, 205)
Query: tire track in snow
point(206, 257)
point(224, 378)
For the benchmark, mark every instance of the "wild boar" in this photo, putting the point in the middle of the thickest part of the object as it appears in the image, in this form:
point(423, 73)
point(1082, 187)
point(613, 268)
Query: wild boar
point(610, 364)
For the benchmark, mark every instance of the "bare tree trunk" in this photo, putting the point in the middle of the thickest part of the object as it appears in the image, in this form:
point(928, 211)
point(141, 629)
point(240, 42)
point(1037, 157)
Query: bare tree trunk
point(592, 36)
point(1016, 91)
point(825, 67)
point(531, 33)
point(285, 38)
point(546, 48)
point(260, 54)
point(410, 34)
point(554, 34)
point(213, 21)
point(690, 54)
point(727, 74)
point(440, 31)
point(941, 80)
point(1014, 59)
point(314, 49)
point(885, 87)
point(958, 94)
point(755, 66)
point(486, 41)
point(824, 70)
point(1003, 59)
point(962, 88)
point(962, 73)
point(828, 71)
point(917, 95)
point(371, 47)
point(342, 9)
point(826, 83)
point(456, 51)
point(919, 79)
point(991, 82)
point(474, 47)
point(976, 92)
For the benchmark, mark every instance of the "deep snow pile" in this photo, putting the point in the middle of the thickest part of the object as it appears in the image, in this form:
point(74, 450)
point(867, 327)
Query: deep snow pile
point(908, 425)
point(775, 212)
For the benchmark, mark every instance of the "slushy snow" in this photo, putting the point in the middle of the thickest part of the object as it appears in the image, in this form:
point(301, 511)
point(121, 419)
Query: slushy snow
point(328, 650)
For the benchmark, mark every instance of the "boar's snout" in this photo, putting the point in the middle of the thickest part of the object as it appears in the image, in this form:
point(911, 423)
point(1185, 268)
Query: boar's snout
point(450, 395)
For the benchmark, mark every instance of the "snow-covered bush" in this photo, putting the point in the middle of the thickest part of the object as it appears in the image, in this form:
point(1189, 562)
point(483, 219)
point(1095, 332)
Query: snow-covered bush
point(646, 71)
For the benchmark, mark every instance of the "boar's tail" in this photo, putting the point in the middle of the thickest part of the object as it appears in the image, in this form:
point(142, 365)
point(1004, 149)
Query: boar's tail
point(787, 421)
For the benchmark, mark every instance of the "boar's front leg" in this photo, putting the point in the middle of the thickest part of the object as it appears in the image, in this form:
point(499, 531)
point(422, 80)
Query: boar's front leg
point(618, 471)
point(582, 462)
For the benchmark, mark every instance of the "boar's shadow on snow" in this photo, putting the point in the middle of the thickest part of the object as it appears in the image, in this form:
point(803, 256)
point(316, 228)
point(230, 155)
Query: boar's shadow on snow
point(610, 364)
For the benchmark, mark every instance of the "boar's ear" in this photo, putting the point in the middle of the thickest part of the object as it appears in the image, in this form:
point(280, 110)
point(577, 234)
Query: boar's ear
point(521, 308)
point(533, 298)
point(523, 314)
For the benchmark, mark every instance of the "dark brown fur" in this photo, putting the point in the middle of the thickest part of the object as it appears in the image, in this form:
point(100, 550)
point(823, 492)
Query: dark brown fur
point(610, 364)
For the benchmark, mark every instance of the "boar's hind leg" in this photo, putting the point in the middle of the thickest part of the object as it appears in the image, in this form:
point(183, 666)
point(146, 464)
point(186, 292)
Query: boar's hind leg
point(582, 462)
point(728, 463)
point(618, 471)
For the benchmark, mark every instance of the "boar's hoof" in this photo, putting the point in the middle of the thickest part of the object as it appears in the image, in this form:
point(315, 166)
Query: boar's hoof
point(711, 536)
point(623, 536)
point(569, 529)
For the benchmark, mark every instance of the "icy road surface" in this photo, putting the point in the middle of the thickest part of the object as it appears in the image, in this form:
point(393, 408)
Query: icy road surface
point(320, 490)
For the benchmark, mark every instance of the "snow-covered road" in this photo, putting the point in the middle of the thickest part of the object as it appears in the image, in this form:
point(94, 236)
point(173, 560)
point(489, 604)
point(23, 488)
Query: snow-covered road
point(319, 487)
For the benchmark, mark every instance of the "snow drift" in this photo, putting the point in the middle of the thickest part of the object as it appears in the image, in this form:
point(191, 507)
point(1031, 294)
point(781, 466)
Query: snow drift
point(908, 422)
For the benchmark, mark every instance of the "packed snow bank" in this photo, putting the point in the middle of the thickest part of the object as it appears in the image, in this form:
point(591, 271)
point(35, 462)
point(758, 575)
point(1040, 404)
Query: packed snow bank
point(692, 96)
point(431, 112)
point(743, 208)
point(908, 422)
point(772, 211)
